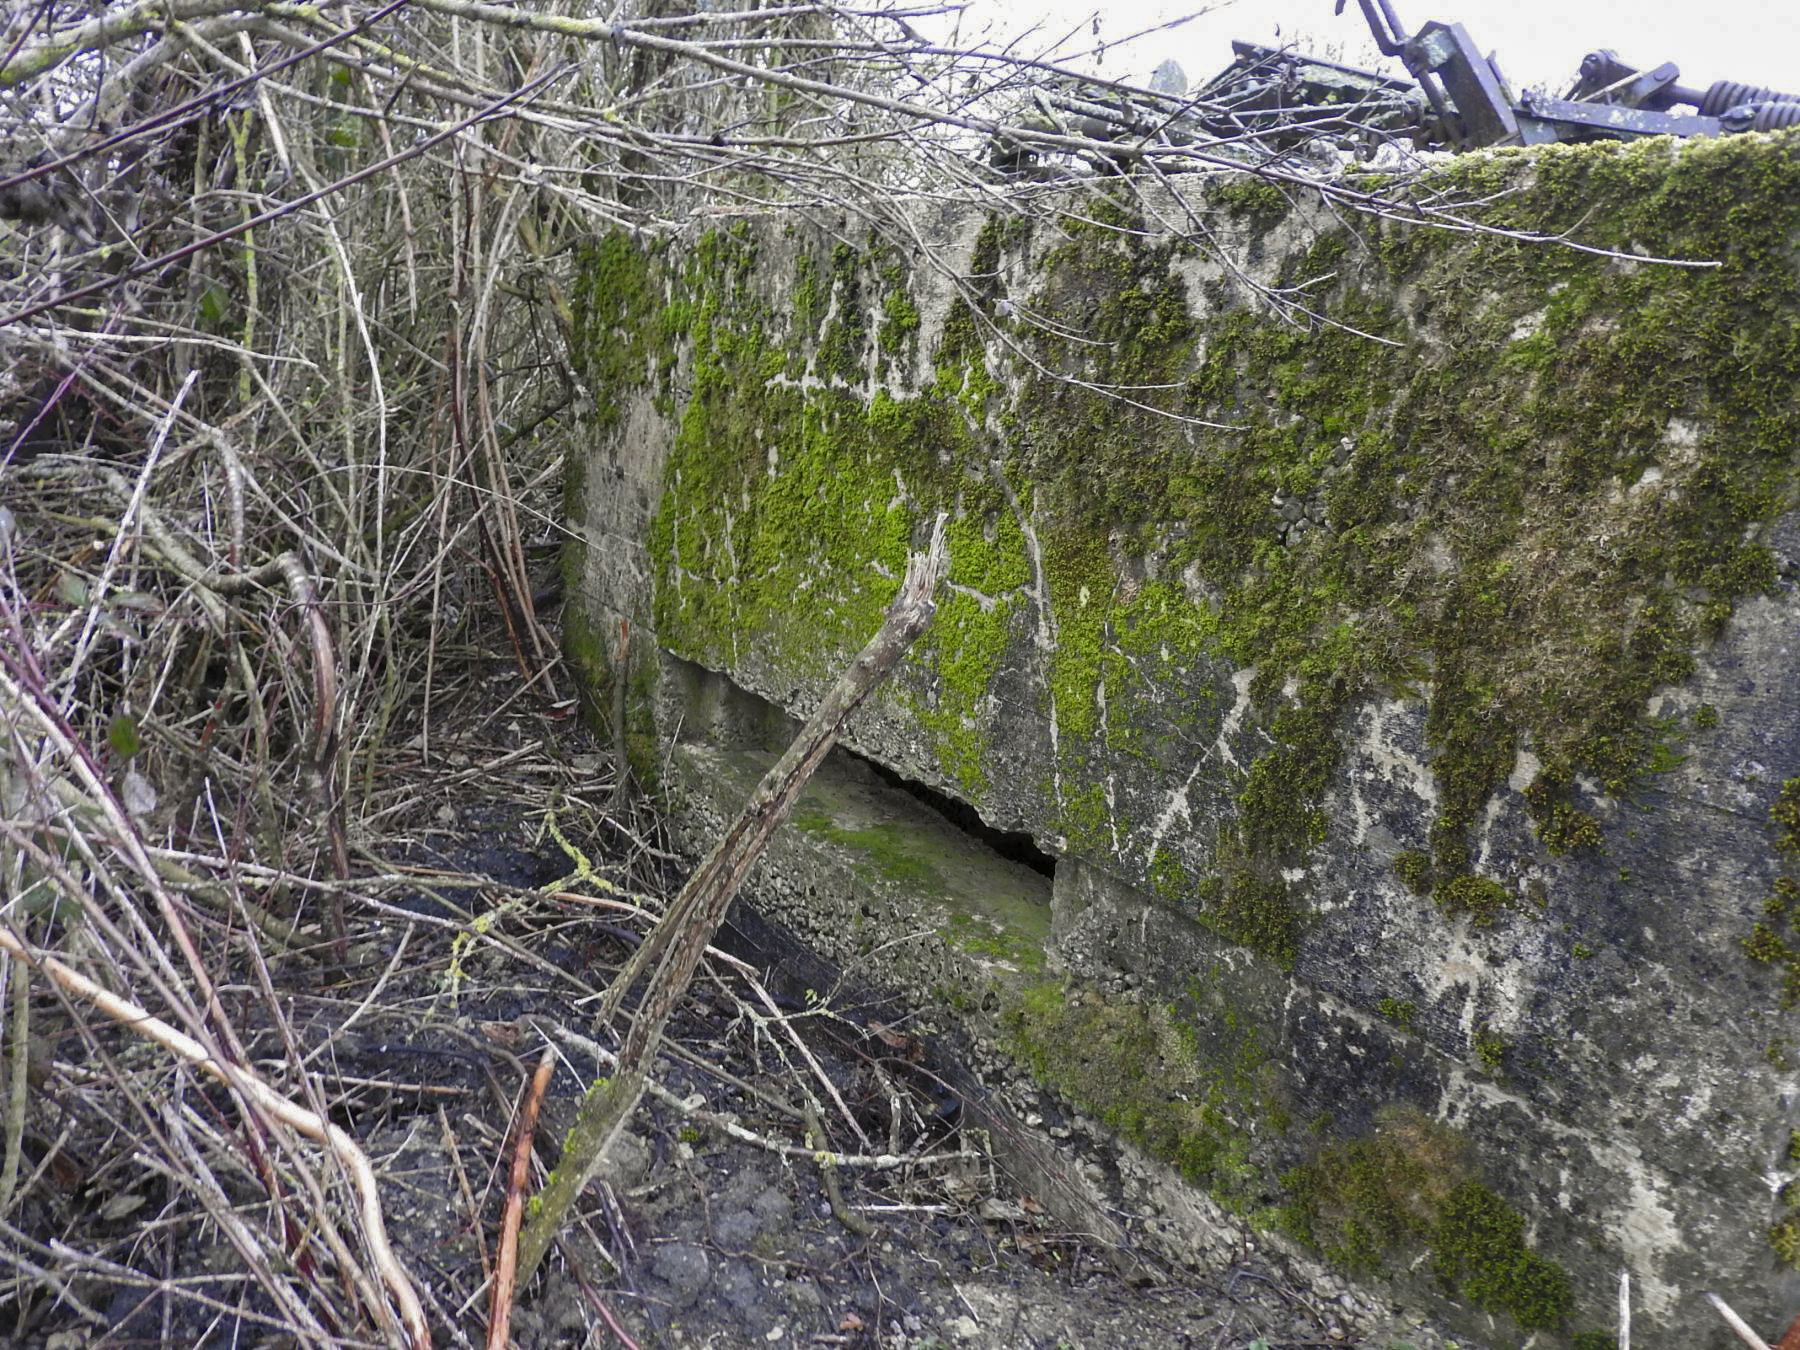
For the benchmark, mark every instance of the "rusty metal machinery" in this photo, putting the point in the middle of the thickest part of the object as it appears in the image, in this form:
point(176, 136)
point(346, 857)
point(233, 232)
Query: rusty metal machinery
point(1276, 102)
point(1474, 107)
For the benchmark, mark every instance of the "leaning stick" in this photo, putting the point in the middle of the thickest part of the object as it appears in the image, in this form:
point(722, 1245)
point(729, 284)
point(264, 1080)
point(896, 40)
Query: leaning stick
point(674, 947)
point(185, 1047)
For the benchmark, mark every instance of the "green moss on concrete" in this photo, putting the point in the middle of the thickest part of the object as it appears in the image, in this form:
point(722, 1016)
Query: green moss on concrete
point(1377, 1202)
point(843, 350)
point(1785, 816)
point(1078, 572)
point(991, 941)
point(892, 850)
point(970, 634)
point(615, 331)
point(790, 509)
point(808, 297)
point(1560, 824)
point(1400, 1012)
point(1414, 870)
point(899, 316)
point(981, 904)
point(1513, 450)
point(1254, 911)
point(1535, 508)
point(1784, 1235)
point(1192, 1090)
point(1490, 1049)
point(1483, 899)
point(1364, 1202)
point(1478, 1249)
point(1253, 197)
point(1775, 940)
point(780, 524)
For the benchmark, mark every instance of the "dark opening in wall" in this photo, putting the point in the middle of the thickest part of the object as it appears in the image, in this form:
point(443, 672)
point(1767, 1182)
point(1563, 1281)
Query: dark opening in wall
point(716, 710)
point(1013, 845)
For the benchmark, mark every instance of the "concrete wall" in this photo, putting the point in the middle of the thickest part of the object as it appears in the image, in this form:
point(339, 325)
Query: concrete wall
point(1386, 627)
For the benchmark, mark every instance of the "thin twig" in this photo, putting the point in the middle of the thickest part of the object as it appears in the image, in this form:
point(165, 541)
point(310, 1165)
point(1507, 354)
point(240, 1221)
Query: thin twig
point(834, 1193)
point(506, 1265)
point(18, 1040)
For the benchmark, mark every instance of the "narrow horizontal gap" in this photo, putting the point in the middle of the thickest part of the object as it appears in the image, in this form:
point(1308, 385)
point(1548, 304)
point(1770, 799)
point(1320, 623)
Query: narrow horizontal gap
point(1013, 845)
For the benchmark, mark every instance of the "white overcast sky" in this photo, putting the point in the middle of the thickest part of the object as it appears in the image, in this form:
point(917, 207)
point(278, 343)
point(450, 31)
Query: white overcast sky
point(1539, 42)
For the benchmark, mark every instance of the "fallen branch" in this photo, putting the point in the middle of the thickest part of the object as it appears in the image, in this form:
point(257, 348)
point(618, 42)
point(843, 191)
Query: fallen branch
point(834, 1193)
point(18, 1037)
point(678, 941)
point(128, 1014)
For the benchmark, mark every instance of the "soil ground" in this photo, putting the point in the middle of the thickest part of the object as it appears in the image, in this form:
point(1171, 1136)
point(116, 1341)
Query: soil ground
point(481, 938)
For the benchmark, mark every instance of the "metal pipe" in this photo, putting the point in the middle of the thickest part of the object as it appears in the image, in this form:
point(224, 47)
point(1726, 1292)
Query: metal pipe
point(1384, 26)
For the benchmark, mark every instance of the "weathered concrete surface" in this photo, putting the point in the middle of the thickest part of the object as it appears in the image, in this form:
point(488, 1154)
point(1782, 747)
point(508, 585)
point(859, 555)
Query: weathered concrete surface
point(895, 897)
point(1406, 691)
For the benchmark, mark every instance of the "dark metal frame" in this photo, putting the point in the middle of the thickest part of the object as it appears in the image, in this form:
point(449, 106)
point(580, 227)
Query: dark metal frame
point(1610, 100)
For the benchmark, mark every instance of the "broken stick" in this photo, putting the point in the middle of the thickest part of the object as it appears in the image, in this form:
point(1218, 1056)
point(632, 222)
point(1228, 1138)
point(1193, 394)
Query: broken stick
point(676, 943)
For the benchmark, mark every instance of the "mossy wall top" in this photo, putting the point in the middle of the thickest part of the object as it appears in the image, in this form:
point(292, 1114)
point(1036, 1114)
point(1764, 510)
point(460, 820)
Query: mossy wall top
point(1521, 481)
point(1378, 590)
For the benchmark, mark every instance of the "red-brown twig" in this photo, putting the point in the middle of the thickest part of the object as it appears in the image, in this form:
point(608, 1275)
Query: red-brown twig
point(506, 1268)
point(611, 1321)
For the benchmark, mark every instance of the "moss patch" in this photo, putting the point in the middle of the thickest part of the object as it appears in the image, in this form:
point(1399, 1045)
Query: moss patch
point(1193, 1089)
point(891, 849)
point(1479, 1249)
point(792, 498)
point(994, 941)
point(1361, 1200)
point(1449, 499)
point(1370, 1203)
point(1775, 941)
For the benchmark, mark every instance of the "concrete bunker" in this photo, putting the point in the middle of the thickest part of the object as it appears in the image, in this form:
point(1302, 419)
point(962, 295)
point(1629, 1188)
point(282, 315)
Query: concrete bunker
point(1406, 696)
